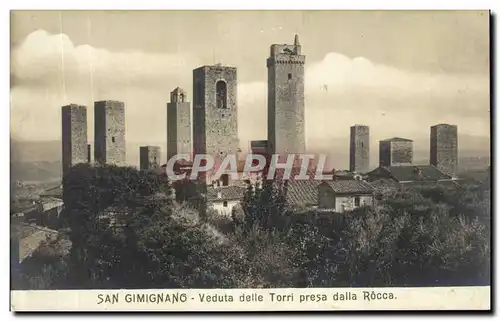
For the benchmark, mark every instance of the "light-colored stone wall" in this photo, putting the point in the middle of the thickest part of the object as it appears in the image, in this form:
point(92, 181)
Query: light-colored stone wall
point(359, 149)
point(286, 102)
point(444, 148)
point(179, 140)
point(401, 153)
point(74, 136)
point(150, 157)
point(347, 203)
point(215, 130)
point(224, 210)
point(109, 132)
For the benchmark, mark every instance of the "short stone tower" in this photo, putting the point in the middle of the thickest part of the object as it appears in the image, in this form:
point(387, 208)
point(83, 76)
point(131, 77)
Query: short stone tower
point(74, 136)
point(178, 124)
point(444, 148)
point(285, 81)
point(215, 111)
point(359, 149)
point(150, 157)
point(109, 123)
point(396, 151)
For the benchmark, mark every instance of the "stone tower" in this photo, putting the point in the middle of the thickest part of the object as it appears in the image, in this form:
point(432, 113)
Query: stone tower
point(74, 136)
point(215, 111)
point(285, 109)
point(395, 152)
point(149, 157)
point(178, 124)
point(109, 142)
point(359, 149)
point(444, 148)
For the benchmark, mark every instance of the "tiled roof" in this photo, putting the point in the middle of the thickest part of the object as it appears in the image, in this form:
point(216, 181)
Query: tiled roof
point(384, 184)
point(350, 186)
point(447, 183)
point(299, 192)
point(31, 236)
point(227, 193)
point(414, 173)
point(302, 192)
point(396, 139)
point(258, 143)
point(56, 192)
point(180, 162)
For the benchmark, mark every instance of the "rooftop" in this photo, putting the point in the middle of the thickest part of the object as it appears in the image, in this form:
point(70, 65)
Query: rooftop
point(444, 125)
point(178, 90)
point(396, 139)
point(350, 187)
point(258, 143)
point(412, 173)
point(180, 162)
point(227, 193)
point(74, 106)
point(215, 66)
point(56, 192)
point(300, 193)
point(108, 102)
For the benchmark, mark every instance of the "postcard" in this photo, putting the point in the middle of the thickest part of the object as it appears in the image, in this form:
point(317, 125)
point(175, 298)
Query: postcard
point(250, 160)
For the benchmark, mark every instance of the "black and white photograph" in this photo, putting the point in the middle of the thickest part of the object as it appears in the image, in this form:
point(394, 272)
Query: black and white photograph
point(250, 160)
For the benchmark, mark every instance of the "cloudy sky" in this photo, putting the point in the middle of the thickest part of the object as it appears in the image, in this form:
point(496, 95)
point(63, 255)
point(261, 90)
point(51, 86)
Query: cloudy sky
point(398, 72)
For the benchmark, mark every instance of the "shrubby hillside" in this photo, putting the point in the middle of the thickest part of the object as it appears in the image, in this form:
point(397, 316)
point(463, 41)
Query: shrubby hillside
point(127, 232)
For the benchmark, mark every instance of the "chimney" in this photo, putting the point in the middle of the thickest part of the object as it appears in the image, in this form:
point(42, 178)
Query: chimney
point(334, 175)
point(219, 195)
point(296, 41)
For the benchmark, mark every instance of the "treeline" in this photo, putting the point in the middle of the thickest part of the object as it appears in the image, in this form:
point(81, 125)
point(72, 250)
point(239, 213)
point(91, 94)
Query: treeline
point(127, 233)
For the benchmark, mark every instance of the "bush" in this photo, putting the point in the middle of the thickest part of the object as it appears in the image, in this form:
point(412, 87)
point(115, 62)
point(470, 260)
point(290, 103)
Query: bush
point(124, 235)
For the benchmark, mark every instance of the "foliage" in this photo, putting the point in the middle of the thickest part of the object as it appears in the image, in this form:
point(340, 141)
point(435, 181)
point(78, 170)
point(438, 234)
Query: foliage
point(124, 236)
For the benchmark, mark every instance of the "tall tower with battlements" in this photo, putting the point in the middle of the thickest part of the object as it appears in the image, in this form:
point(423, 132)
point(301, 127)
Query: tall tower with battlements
point(285, 102)
point(178, 124)
point(109, 132)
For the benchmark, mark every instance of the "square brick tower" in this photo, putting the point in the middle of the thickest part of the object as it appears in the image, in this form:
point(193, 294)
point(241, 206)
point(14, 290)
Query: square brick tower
point(74, 136)
point(109, 142)
point(395, 152)
point(359, 149)
point(149, 157)
point(285, 102)
point(444, 148)
point(215, 111)
point(178, 124)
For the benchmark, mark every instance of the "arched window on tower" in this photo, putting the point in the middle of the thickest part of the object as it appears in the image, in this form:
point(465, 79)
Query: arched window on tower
point(181, 97)
point(221, 94)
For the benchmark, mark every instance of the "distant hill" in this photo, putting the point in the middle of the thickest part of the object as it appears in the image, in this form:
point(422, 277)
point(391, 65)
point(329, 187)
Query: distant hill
point(471, 148)
point(35, 171)
point(35, 151)
point(50, 151)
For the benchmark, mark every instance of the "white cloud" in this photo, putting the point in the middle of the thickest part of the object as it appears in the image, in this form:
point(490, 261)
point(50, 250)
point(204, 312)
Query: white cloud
point(54, 58)
point(49, 71)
